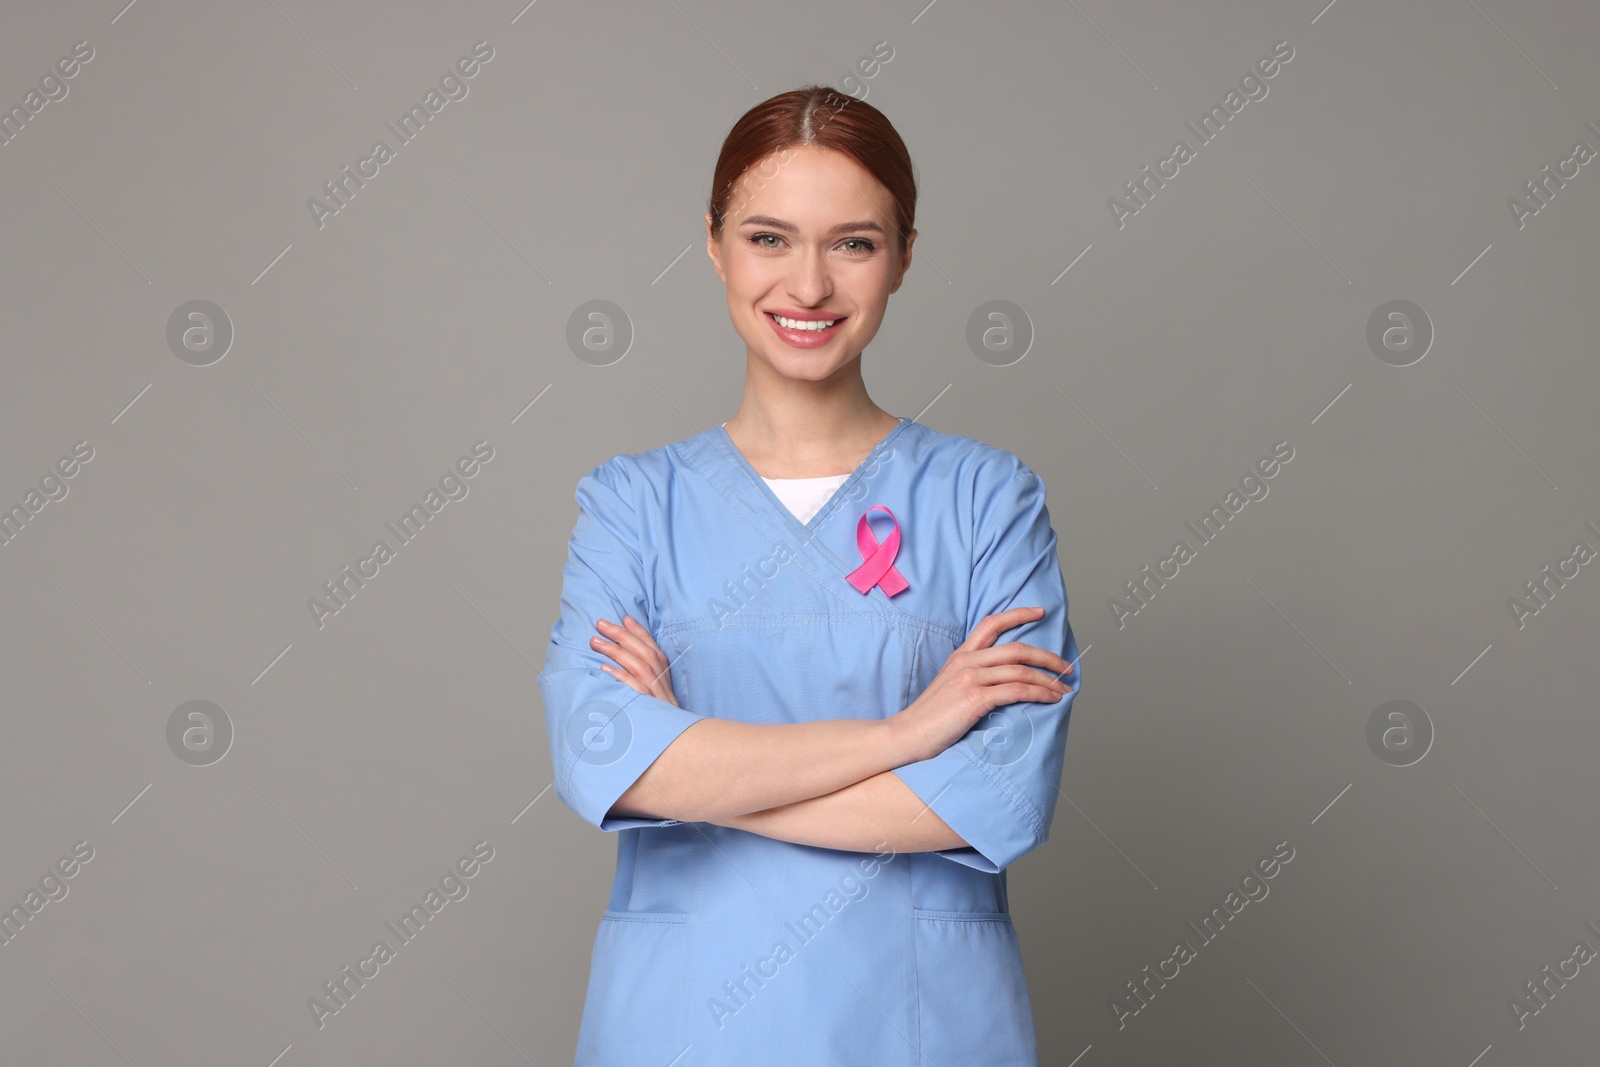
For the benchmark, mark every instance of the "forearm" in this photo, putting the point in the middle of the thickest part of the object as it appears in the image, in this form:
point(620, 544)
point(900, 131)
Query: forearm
point(718, 768)
point(857, 818)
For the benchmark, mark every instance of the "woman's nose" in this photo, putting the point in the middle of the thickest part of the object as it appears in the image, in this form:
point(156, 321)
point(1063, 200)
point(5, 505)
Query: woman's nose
point(810, 283)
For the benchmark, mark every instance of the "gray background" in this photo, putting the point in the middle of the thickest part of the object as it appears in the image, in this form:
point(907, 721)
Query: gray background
point(369, 354)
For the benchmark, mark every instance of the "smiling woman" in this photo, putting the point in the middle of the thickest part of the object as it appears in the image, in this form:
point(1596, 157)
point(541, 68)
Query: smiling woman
point(781, 686)
point(814, 154)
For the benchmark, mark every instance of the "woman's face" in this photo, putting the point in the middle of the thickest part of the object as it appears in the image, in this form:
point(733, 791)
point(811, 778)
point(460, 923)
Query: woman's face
point(809, 234)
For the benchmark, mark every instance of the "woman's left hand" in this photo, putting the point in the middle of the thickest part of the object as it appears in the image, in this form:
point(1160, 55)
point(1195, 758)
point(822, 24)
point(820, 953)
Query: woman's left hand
point(641, 665)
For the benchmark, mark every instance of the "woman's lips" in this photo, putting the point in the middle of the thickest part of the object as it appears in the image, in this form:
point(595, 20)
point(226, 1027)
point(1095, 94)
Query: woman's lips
point(804, 338)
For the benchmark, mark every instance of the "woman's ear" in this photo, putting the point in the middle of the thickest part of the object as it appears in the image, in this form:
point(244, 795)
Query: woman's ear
point(905, 261)
point(714, 250)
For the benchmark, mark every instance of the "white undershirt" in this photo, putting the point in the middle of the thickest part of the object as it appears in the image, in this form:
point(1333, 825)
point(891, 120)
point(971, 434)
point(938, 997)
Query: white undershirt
point(805, 496)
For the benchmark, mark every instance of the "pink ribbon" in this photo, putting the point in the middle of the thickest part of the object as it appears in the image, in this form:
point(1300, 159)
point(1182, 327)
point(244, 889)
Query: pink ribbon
point(878, 568)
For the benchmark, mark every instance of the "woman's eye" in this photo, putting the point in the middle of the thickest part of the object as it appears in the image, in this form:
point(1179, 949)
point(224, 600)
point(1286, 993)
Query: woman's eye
point(863, 247)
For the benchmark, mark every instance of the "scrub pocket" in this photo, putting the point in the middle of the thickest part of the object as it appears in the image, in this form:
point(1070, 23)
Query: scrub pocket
point(972, 998)
point(636, 1004)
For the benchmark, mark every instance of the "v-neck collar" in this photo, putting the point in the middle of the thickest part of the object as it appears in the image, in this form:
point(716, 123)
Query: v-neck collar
point(725, 443)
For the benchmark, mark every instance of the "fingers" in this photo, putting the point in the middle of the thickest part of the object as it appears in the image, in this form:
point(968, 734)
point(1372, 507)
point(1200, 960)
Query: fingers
point(1013, 683)
point(633, 647)
point(1039, 657)
point(630, 636)
point(626, 679)
point(1035, 679)
point(1020, 652)
point(630, 628)
point(1022, 691)
point(625, 659)
point(987, 631)
point(638, 654)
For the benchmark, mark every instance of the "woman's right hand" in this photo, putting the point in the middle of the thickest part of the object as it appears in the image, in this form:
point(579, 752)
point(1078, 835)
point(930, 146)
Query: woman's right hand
point(978, 678)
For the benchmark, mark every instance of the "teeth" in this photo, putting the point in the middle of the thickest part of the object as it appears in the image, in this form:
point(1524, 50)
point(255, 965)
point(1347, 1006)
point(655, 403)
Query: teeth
point(797, 324)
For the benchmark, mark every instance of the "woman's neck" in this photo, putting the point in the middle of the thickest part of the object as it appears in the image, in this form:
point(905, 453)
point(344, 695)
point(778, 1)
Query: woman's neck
point(808, 441)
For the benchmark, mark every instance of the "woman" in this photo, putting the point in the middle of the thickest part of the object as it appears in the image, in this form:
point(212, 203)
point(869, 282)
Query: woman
point(819, 760)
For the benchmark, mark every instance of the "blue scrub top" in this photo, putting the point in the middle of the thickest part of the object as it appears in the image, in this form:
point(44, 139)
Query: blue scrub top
point(719, 946)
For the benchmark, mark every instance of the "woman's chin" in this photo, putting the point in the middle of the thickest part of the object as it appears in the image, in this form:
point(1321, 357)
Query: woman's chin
point(807, 368)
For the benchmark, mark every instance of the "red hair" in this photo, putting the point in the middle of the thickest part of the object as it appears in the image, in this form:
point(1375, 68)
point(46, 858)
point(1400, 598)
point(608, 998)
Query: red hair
point(819, 116)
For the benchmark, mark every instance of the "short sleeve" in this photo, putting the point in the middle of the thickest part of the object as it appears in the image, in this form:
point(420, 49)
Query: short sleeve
point(603, 734)
point(997, 785)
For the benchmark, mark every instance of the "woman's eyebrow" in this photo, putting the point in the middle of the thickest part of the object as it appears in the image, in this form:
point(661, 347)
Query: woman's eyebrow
point(779, 224)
